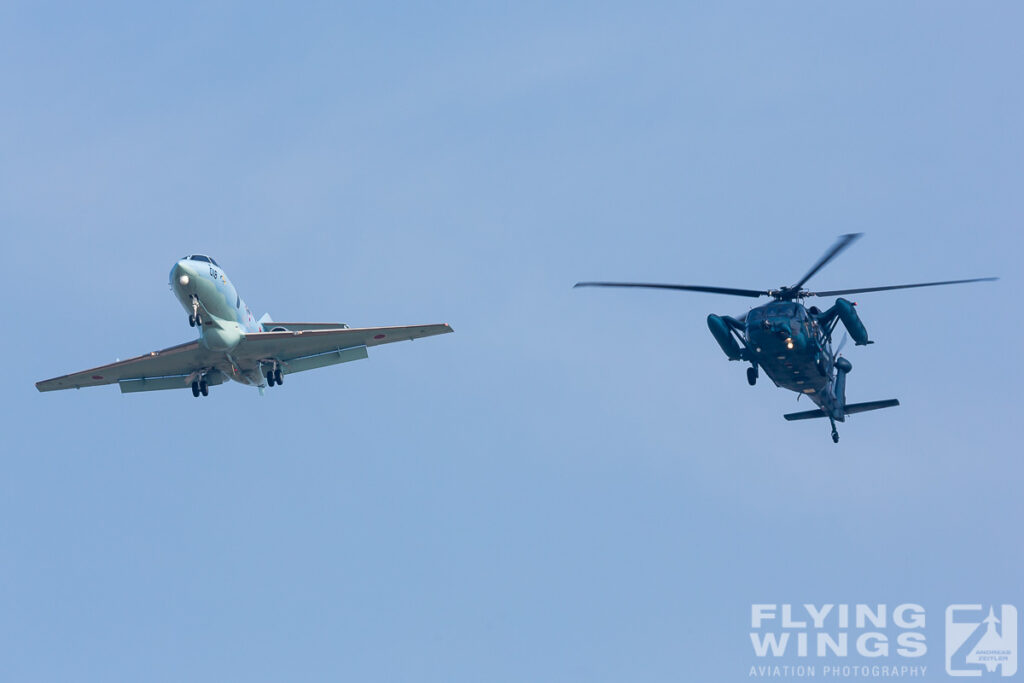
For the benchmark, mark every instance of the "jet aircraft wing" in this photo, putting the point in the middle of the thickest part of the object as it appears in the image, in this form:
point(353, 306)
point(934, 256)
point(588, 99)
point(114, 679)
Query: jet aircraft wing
point(295, 344)
point(164, 369)
point(177, 361)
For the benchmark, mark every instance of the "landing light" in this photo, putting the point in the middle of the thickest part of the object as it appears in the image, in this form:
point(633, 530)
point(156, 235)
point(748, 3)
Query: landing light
point(183, 280)
point(789, 342)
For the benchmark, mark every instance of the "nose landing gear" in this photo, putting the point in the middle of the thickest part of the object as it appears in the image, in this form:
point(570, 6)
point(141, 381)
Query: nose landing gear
point(194, 318)
point(752, 375)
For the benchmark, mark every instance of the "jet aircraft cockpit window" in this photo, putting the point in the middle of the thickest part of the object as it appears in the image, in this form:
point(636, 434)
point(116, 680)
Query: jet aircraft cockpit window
point(204, 259)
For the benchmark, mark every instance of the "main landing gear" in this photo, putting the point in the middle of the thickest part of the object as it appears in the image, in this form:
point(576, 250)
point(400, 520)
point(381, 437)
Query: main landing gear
point(274, 377)
point(752, 375)
point(835, 432)
point(200, 387)
point(194, 318)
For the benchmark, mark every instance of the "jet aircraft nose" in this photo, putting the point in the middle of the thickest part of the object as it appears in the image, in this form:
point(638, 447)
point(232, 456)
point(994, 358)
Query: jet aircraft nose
point(182, 274)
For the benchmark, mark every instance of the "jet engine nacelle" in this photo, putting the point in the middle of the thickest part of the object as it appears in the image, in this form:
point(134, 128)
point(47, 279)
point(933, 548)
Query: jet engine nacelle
point(720, 329)
point(848, 314)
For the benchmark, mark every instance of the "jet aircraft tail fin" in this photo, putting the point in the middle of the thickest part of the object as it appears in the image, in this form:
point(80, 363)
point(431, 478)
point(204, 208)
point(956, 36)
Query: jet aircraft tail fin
point(849, 409)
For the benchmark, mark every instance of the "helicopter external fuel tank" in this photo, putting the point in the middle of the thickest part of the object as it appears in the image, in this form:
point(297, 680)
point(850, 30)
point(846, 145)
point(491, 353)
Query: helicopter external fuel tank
point(720, 329)
point(848, 314)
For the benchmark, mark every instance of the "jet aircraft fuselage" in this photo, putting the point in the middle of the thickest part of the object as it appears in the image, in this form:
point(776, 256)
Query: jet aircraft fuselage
point(233, 344)
point(201, 285)
point(215, 307)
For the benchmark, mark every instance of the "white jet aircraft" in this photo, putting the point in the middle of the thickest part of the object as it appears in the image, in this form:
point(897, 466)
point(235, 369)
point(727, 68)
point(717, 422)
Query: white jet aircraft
point(234, 345)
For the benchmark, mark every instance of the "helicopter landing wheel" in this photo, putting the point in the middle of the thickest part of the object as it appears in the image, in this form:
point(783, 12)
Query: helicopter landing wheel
point(752, 376)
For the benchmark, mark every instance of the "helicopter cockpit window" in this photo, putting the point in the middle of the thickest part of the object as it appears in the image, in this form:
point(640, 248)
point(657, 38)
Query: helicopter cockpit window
point(779, 310)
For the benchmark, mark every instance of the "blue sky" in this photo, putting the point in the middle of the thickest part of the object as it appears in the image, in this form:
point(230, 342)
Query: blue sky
point(576, 485)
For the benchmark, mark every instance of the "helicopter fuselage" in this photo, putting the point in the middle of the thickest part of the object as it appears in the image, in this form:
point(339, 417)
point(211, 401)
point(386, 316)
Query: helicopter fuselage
point(793, 344)
point(793, 349)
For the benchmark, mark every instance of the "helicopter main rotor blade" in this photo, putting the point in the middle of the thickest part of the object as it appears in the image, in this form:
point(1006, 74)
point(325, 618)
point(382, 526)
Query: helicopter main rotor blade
point(686, 288)
point(842, 243)
point(838, 292)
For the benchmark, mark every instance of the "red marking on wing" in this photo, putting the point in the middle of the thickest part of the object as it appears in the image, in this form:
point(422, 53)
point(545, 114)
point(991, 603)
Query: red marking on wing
point(97, 376)
point(378, 336)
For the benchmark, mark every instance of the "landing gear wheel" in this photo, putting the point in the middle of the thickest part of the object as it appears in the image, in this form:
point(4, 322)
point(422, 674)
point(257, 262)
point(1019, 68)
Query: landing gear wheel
point(270, 378)
point(191, 320)
point(751, 376)
point(195, 389)
point(204, 388)
point(835, 436)
point(277, 377)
